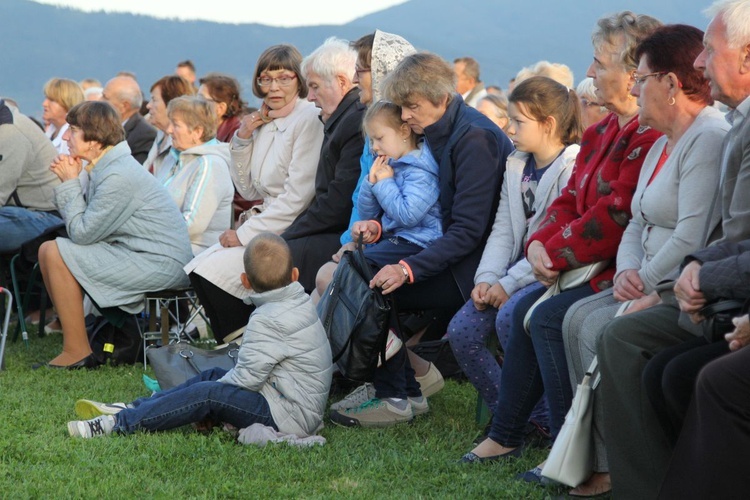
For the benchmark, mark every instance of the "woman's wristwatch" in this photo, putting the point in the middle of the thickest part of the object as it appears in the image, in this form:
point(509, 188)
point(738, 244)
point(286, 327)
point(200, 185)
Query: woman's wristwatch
point(405, 271)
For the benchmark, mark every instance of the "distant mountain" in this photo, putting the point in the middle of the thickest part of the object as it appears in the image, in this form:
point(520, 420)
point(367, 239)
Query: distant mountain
point(39, 41)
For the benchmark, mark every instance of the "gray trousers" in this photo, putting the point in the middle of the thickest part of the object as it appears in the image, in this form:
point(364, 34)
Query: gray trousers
point(637, 447)
point(583, 325)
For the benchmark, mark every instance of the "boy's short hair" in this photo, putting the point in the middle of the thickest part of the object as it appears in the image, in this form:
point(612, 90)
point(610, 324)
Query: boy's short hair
point(268, 262)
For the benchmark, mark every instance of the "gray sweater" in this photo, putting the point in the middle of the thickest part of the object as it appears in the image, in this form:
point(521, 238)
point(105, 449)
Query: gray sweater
point(25, 157)
point(670, 214)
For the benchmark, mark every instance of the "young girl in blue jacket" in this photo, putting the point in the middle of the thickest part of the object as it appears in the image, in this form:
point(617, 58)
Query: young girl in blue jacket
point(400, 195)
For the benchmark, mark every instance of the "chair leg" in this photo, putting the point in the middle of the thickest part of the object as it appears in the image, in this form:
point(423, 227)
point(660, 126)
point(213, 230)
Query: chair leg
point(19, 303)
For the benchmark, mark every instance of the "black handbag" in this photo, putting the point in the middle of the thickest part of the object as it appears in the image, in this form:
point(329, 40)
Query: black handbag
point(356, 318)
point(717, 318)
point(176, 363)
point(115, 345)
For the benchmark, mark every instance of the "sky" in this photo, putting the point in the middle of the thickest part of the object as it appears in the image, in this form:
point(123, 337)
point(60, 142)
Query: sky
point(284, 13)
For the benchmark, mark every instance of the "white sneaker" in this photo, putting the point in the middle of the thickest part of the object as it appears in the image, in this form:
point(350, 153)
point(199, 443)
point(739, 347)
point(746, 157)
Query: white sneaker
point(431, 382)
point(392, 346)
point(419, 406)
point(361, 394)
point(375, 413)
point(88, 409)
point(99, 426)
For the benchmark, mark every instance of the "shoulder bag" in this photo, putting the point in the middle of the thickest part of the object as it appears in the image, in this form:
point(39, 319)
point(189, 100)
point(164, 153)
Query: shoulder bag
point(356, 318)
point(175, 363)
point(571, 460)
point(565, 281)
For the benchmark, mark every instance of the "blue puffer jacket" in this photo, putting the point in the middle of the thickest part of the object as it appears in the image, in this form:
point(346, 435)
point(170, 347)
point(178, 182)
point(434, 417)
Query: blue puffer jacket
point(408, 201)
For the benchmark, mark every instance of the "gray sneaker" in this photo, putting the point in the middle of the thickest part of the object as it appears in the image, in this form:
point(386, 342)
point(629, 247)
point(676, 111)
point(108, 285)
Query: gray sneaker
point(419, 406)
point(374, 413)
point(99, 426)
point(361, 394)
point(87, 409)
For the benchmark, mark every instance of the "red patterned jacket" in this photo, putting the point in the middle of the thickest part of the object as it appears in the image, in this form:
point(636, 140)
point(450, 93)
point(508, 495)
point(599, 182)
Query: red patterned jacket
point(585, 223)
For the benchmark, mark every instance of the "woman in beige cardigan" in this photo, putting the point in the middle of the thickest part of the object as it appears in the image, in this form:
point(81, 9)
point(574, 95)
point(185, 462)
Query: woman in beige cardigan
point(275, 155)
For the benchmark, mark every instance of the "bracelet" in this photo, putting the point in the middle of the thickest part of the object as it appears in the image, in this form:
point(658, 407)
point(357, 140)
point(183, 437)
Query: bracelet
point(405, 271)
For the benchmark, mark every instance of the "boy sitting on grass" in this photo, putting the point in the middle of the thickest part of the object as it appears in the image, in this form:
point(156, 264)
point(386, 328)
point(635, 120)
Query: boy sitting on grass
point(283, 371)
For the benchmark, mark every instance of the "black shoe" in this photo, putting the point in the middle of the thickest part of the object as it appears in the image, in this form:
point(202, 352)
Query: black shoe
point(473, 458)
point(89, 362)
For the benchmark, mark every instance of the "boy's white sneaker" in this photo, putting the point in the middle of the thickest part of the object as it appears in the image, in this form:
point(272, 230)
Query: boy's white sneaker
point(99, 426)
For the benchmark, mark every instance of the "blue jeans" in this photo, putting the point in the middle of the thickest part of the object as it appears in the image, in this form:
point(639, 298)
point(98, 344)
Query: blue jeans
point(534, 365)
point(195, 400)
point(19, 225)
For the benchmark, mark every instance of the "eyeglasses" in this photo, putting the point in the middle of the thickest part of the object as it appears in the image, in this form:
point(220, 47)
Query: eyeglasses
point(358, 71)
point(640, 79)
point(283, 81)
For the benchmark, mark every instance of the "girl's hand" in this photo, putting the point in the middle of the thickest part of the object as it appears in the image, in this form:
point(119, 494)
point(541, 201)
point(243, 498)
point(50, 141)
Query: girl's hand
point(478, 295)
point(541, 263)
point(496, 296)
point(628, 286)
point(367, 228)
point(66, 167)
point(380, 170)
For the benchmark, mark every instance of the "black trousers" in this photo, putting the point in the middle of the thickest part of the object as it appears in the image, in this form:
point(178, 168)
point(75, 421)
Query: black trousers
point(711, 455)
point(669, 379)
point(226, 312)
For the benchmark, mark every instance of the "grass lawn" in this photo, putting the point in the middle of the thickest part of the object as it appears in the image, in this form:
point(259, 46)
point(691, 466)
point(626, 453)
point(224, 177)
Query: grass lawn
point(39, 460)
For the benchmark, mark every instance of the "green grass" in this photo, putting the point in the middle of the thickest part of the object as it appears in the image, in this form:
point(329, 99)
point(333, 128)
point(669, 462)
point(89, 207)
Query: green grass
point(39, 460)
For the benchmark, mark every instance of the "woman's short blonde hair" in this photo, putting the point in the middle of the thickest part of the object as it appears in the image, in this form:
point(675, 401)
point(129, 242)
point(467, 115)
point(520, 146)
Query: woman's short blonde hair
point(64, 92)
point(196, 112)
point(624, 31)
point(420, 75)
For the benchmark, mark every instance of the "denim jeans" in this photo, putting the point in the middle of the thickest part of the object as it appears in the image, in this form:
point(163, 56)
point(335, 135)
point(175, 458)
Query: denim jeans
point(195, 400)
point(19, 225)
point(535, 364)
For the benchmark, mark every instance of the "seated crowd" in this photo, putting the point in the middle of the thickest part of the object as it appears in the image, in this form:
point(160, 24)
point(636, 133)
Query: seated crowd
point(473, 220)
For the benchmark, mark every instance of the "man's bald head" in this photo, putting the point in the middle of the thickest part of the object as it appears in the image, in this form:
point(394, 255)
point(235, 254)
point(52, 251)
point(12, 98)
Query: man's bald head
point(124, 94)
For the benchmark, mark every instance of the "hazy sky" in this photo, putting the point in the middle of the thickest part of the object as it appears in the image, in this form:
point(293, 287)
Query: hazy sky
point(274, 13)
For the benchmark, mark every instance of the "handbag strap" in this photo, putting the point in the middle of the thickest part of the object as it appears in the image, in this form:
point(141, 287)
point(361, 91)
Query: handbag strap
point(593, 371)
point(721, 306)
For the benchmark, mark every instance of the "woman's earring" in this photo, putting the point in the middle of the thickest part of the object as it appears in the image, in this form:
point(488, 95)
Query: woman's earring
point(671, 101)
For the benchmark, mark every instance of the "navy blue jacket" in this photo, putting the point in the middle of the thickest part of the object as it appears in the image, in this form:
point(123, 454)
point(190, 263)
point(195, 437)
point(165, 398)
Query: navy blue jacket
point(471, 153)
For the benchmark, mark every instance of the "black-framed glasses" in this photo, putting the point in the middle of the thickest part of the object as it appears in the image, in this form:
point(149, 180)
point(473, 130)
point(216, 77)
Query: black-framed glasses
point(640, 79)
point(283, 81)
point(358, 71)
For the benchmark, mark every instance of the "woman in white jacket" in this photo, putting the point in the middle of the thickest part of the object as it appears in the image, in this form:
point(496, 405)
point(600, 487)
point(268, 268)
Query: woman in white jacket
point(275, 157)
point(545, 126)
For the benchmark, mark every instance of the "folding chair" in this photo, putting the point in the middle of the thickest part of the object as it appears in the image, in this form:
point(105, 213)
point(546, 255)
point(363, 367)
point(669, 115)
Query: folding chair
point(167, 303)
point(8, 308)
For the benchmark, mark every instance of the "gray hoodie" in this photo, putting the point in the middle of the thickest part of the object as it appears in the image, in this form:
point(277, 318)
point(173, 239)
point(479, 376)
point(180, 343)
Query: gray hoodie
point(198, 181)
